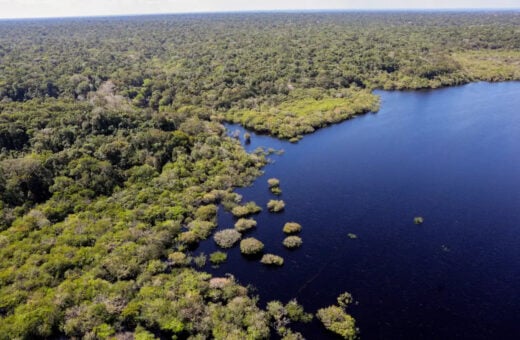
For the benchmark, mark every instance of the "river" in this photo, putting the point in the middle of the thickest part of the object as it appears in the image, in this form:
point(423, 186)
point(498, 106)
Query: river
point(449, 155)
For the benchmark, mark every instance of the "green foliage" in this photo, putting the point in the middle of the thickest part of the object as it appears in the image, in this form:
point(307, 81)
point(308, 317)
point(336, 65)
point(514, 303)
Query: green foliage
point(178, 259)
point(281, 316)
point(251, 246)
point(275, 206)
point(292, 228)
point(227, 238)
point(490, 64)
point(200, 260)
point(113, 157)
point(418, 220)
point(273, 182)
point(245, 224)
point(217, 257)
point(274, 186)
point(292, 242)
point(303, 114)
point(248, 209)
point(336, 319)
point(272, 260)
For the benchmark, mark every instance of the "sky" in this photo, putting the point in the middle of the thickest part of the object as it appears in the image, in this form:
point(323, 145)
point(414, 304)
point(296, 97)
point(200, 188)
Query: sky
point(66, 8)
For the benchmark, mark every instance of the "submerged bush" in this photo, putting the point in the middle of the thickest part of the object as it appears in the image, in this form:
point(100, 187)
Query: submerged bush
point(271, 259)
point(251, 246)
point(418, 220)
point(336, 319)
point(249, 208)
point(274, 186)
point(292, 242)
point(273, 182)
point(292, 228)
point(352, 236)
point(276, 190)
point(217, 257)
point(275, 205)
point(200, 260)
point(281, 316)
point(227, 238)
point(245, 224)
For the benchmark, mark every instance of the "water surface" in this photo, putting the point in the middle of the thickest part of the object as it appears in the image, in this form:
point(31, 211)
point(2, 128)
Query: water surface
point(450, 155)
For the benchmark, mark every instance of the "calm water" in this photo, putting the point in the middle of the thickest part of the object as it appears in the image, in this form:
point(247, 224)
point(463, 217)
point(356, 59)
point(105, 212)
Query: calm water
point(449, 155)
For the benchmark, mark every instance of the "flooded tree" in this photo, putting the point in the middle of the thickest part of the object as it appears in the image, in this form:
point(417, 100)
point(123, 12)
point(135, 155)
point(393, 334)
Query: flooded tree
point(251, 246)
point(276, 205)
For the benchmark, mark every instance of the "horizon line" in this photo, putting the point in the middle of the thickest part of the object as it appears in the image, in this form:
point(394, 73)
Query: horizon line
point(273, 11)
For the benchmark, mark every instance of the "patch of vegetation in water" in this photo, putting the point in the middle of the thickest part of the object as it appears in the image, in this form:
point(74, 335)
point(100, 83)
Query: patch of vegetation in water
point(292, 242)
point(248, 209)
point(274, 186)
point(251, 246)
point(352, 236)
point(336, 319)
point(217, 257)
point(418, 220)
point(200, 260)
point(272, 260)
point(275, 206)
point(273, 182)
point(245, 224)
point(292, 228)
point(282, 315)
point(227, 238)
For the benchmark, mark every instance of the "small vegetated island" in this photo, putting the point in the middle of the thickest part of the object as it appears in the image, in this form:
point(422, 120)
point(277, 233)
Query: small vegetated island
point(114, 159)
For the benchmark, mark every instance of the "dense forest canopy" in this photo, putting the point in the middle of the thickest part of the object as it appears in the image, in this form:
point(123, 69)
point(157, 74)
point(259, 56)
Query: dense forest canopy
point(114, 161)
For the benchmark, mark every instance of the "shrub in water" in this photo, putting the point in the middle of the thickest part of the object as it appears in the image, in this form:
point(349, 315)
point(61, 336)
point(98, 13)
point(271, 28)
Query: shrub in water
point(273, 182)
point(227, 238)
point(274, 186)
point(217, 257)
point(245, 224)
point(336, 319)
point(200, 261)
point(276, 190)
point(275, 205)
point(251, 246)
point(418, 220)
point(271, 259)
point(292, 228)
point(292, 242)
point(249, 208)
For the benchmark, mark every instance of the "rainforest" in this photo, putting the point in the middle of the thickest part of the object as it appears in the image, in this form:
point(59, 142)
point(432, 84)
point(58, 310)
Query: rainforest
point(117, 161)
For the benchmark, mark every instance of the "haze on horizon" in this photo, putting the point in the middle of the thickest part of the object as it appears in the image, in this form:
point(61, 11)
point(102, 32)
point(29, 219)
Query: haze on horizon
point(11, 9)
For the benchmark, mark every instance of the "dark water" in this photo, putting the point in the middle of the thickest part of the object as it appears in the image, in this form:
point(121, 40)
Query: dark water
point(449, 155)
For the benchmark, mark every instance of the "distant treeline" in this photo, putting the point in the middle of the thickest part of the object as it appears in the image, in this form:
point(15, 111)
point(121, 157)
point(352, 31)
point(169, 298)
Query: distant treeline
point(238, 60)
